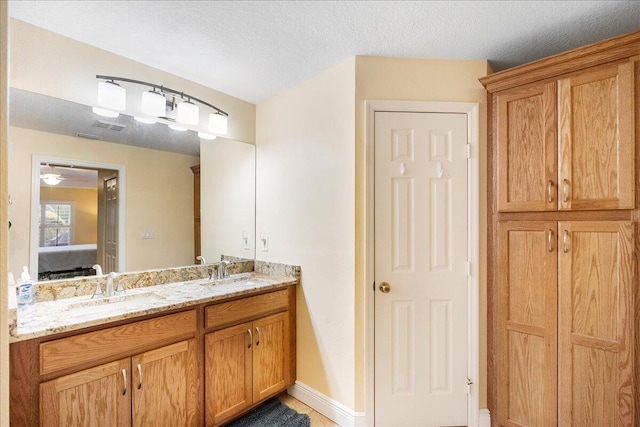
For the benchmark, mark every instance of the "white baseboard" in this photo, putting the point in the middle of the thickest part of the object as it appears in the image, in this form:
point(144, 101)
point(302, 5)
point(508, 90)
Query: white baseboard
point(484, 418)
point(328, 407)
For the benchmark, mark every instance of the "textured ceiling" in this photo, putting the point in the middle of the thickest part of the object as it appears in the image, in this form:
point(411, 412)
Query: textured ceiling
point(253, 50)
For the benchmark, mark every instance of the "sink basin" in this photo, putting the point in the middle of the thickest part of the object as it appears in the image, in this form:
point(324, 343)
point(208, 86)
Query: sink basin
point(116, 302)
point(231, 279)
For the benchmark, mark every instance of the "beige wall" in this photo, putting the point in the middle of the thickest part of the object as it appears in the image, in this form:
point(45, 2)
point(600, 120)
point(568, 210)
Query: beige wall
point(311, 201)
point(379, 78)
point(48, 63)
point(85, 217)
point(4, 328)
point(159, 196)
point(305, 187)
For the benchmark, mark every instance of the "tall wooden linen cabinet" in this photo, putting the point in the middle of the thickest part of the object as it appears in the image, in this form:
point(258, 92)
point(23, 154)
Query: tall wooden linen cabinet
point(563, 242)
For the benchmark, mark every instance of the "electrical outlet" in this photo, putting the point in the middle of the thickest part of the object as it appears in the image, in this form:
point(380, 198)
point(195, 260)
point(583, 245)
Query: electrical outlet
point(264, 242)
point(150, 234)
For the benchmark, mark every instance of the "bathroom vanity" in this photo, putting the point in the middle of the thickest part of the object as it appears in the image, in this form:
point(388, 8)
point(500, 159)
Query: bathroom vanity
point(186, 353)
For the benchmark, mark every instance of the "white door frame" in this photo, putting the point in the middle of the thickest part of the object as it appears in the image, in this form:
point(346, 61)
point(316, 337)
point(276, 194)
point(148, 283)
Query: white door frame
point(472, 112)
point(35, 203)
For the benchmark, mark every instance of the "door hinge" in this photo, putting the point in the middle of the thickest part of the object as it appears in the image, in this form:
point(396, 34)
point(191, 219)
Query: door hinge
point(468, 151)
point(468, 268)
point(469, 384)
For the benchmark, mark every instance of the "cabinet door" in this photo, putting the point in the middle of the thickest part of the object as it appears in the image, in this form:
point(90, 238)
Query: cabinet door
point(596, 125)
point(270, 355)
point(526, 148)
point(165, 386)
point(99, 396)
point(597, 276)
point(228, 377)
point(525, 322)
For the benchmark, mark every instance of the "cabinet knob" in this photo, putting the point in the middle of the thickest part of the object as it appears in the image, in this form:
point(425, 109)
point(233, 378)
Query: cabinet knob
point(385, 287)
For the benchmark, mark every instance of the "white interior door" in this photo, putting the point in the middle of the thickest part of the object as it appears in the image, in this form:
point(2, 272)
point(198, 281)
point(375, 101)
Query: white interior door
point(421, 323)
point(111, 224)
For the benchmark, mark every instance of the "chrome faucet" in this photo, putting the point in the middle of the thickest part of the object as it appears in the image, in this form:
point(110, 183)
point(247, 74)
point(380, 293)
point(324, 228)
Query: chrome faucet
point(223, 269)
point(110, 277)
point(98, 290)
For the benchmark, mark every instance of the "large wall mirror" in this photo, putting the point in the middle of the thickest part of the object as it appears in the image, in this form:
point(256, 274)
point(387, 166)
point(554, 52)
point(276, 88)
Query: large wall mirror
point(85, 188)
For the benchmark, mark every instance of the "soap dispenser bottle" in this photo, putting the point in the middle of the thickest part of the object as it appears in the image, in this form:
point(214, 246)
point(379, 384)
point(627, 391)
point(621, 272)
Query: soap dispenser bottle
point(25, 289)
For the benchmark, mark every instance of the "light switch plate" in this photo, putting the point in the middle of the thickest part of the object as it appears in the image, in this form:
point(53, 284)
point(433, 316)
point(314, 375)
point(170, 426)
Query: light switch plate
point(245, 238)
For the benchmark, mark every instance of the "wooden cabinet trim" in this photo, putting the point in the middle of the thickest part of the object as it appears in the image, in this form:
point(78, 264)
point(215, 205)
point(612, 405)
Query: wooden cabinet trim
point(610, 50)
point(228, 313)
point(111, 342)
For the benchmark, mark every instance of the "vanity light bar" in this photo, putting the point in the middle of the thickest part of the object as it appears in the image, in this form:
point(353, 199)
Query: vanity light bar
point(186, 109)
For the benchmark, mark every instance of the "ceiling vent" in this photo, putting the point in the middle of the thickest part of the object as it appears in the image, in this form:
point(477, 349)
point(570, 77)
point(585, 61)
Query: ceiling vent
point(88, 136)
point(109, 125)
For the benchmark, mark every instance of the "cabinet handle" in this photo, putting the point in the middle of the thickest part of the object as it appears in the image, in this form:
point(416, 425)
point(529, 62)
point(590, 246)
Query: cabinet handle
point(139, 376)
point(250, 338)
point(565, 242)
point(565, 190)
point(550, 240)
point(550, 191)
point(124, 379)
point(259, 336)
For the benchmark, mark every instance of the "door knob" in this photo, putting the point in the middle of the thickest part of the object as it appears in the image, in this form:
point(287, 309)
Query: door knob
point(385, 288)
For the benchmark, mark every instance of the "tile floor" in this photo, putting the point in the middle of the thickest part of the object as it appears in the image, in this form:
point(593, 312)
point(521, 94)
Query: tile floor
point(317, 419)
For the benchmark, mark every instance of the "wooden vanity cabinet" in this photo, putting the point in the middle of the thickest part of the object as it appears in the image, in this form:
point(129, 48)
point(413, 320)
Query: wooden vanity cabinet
point(208, 364)
point(250, 361)
point(143, 372)
point(567, 143)
point(155, 388)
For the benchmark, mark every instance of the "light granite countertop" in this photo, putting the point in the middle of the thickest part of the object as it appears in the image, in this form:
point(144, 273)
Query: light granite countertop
point(69, 314)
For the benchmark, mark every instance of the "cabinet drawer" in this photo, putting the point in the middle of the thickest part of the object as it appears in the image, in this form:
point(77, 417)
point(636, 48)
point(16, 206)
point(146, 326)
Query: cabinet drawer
point(82, 348)
point(237, 311)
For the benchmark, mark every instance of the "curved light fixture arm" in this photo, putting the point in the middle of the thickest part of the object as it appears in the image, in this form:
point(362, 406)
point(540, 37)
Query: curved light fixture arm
point(162, 89)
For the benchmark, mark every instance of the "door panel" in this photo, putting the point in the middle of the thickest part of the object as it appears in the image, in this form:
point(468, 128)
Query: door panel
point(526, 148)
point(165, 386)
point(228, 376)
point(526, 323)
point(421, 251)
point(111, 225)
point(595, 114)
point(99, 396)
point(597, 276)
point(270, 353)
